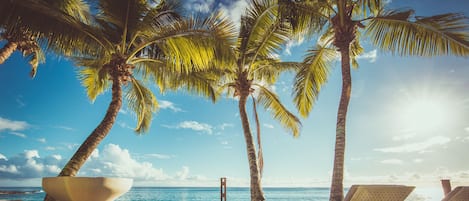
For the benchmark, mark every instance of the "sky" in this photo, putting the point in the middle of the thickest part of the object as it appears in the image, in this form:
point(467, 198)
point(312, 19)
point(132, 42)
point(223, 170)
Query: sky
point(408, 123)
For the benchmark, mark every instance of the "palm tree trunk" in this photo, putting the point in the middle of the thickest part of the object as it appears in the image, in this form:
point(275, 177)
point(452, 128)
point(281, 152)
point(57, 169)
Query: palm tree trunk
point(337, 192)
point(98, 134)
point(256, 189)
point(7, 50)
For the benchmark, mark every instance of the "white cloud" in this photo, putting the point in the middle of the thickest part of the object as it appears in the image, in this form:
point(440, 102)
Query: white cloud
point(224, 142)
point(225, 125)
point(42, 140)
point(403, 137)
point(3, 157)
point(418, 160)
point(95, 154)
point(416, 147)
point(268, 125)
point(124, 125)
point(65, 128)
point(49, 148)
point(292, 43)
point(114, 161)
point(57, 157)
point(392, 161)
point(29, 165)
point(72, 146)
point(466, 129)
point(158, 156)
point(182, 175)
point(235, 10)
point(53, 168)
point(203, 6)
point(6, 124)
point(370, 56)
point(30, 154)
point(11, 169)
point(111, 161)
point(122, 111)
point(194, 125)
point(263, 83)
point(169, 105)
point(21, 135)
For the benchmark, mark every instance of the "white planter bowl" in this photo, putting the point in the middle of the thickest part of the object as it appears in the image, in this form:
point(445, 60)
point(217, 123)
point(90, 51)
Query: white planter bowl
point(85, 188)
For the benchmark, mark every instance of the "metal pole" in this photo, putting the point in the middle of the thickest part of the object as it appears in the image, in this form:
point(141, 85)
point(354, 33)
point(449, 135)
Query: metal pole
point(223, 189)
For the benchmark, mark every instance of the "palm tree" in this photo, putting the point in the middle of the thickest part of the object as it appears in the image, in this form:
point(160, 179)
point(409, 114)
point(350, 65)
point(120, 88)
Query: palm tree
point(151, 41)
point(132, 39)
point(23, 27)
point(341, 21)
point(261, 35)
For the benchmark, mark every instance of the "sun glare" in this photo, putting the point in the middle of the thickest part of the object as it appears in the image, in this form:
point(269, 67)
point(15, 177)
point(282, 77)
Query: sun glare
point(426, 113)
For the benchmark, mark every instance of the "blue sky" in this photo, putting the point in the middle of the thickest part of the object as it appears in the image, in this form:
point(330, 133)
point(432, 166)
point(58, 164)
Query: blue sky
point(408, 123)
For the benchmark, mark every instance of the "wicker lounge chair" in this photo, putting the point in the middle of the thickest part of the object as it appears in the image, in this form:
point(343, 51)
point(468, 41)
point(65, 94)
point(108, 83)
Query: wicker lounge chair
point(378, 192)
point(460, 193)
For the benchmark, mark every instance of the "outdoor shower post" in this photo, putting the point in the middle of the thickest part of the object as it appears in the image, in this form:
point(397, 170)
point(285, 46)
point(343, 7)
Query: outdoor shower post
point(223, 189)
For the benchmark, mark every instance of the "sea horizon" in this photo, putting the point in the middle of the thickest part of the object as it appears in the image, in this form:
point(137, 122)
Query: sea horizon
point(172, 193)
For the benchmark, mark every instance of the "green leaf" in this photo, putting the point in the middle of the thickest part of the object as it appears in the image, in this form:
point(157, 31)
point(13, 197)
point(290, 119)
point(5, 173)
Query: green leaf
point(143, 104)
point(95, 81)
point(271, 102)
point(310, 79)
point(446, 34)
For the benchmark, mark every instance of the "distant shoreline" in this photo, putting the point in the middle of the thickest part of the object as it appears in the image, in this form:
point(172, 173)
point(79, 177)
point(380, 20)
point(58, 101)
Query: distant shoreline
point(6, 192)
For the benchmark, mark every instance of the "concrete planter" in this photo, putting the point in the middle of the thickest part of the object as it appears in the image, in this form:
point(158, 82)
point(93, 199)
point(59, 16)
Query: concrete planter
point(85, 188)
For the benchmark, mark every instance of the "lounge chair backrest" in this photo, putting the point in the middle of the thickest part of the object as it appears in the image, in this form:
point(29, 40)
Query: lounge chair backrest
point(460, 193)
point(378, 192)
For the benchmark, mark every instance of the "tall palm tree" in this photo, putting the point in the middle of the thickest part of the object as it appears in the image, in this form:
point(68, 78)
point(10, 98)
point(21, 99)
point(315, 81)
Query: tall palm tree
point(132, 39)
point(23, 27)
point(261, 35)
point(342, 22)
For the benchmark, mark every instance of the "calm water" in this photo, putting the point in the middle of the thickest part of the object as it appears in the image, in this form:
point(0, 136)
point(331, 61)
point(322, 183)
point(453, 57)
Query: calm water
point(213, 194)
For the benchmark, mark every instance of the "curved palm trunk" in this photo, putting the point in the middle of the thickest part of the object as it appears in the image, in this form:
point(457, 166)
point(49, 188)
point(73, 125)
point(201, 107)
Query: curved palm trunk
point(337, 192)
point(98, 134)
point(256, 189)
point(7, 50)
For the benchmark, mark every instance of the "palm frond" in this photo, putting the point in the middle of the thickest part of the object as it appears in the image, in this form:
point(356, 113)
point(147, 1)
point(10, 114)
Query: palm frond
point(201, 83)
point(226, 88)
point(305, 17)
point(268, 70)
point(191, 45)
point(60, 29)
point(224, 41)
point(143, 103)
point(163, 14)
point(355, 50)
point(79, 9)
point(95, 81)
point(35, 56)
point(368, 7)
point(443, 34)
point(260, 155)
point(271, 102)
point(155, 70)
point(262, 32)
point(310, 78)
point(122, 14)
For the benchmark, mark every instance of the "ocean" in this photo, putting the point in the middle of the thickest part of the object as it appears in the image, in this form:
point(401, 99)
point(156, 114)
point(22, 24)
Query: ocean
point(213, 194)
